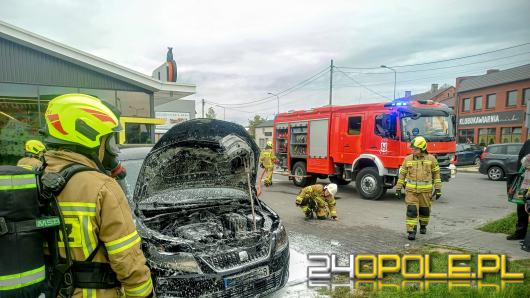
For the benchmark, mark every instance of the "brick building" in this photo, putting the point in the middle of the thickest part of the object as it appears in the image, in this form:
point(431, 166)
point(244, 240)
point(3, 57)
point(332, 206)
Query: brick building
point(491, 108)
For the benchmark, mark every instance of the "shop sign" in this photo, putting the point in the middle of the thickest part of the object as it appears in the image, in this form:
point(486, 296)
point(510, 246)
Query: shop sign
point(171, 118)
point(500, 118)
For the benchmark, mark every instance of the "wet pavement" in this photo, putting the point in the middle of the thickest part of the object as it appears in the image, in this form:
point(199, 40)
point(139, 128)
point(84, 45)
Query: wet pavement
point(365, 226)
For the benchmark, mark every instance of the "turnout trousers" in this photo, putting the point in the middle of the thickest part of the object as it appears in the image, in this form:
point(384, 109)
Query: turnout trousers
point(418, 208)
point(268, 175)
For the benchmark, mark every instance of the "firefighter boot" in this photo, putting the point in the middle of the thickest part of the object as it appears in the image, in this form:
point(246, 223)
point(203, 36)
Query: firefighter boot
point(423, 229)
point(309, 215)
point(412, 234)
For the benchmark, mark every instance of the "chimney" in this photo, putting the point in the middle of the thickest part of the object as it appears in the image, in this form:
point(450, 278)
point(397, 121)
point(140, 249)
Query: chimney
point(408, 94)
point(491, 71)
point(434, 88)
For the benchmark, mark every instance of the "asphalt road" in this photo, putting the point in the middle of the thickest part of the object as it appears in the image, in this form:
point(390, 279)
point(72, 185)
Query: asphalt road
point(364, 226)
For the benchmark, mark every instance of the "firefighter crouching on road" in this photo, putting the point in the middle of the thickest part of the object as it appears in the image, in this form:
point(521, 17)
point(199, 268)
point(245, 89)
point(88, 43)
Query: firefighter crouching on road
point(81, 130)
point(267, 159)
point(319, 199)
point(418, 173)
point(34, 150)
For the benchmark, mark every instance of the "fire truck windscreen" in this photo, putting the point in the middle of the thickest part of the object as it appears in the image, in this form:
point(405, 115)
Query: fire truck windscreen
point(432, 128)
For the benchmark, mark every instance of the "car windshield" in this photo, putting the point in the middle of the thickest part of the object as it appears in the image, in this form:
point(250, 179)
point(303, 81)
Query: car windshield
point(432, 128)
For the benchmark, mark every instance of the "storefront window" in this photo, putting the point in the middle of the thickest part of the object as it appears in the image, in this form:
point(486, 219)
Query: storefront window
point(106, 95)
point(19, 120)
point(466, 136)
point(486, 136)
point(511, 135)
point(134, 104)
point(138, 133)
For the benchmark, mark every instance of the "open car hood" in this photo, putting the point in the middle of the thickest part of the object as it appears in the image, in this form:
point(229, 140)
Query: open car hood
point(199, 153)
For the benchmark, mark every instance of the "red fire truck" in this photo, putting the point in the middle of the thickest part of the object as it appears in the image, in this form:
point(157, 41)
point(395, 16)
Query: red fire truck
point(364, 143)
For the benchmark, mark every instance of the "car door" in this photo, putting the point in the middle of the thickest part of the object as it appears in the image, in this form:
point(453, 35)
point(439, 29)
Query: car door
point(512, 154)
point(467, 154)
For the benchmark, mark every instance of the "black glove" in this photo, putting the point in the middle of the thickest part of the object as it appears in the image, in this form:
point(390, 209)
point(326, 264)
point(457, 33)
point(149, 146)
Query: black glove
point(398, 194)
point(437, 194)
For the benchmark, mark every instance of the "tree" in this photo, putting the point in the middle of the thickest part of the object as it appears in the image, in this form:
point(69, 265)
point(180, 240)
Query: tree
point(210, 114)
point(253, 123)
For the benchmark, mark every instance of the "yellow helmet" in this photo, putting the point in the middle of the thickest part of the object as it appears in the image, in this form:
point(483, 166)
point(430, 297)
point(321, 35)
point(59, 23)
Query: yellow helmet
point(35, 147)
point(419, 143)
point(269, 144)
point(80, 119)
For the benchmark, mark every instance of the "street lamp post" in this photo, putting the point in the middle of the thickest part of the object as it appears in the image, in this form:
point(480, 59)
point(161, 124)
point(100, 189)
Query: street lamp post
point(395, 77)
point(278, 102)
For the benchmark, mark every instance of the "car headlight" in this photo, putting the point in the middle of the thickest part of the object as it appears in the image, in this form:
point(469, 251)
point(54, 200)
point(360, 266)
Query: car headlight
point(281, 238)
point(178, 261)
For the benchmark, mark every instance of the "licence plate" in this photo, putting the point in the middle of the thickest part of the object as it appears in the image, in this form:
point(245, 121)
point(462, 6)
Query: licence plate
point(245, 277)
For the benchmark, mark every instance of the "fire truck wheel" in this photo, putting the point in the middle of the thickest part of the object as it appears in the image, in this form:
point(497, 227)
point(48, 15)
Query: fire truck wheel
point(301, 178)
point(369, 184)
point(338, 180)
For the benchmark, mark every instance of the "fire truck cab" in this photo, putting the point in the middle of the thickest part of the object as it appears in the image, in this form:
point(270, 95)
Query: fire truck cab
point(364, 143)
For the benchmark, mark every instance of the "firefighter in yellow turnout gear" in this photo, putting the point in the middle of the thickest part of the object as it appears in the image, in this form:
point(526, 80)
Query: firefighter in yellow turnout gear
point(34, 151)
point(319, 199)
point(80, 131)
point(418, 174)
point(266, 161)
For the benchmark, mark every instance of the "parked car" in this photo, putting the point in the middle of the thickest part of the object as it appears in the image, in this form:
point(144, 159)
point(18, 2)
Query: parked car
point(468, 154)
point(499, 160)
point(204, 232)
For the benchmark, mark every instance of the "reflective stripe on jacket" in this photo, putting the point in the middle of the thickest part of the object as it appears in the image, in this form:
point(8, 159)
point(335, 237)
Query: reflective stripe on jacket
point(419, 174)
point(95, 209)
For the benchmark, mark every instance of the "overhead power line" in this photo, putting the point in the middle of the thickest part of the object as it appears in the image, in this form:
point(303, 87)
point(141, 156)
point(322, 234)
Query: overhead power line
point(444, 60)
point(440, 75)
point(365, 87)
point(447, 67)
point(281, 93)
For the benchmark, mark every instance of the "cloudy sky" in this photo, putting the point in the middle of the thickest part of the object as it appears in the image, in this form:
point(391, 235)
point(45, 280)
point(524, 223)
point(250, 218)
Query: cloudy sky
point(238, 51)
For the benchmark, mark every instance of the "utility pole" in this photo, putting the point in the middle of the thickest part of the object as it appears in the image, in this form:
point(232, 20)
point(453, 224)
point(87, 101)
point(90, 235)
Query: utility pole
point(331, 83)
point(203, 108)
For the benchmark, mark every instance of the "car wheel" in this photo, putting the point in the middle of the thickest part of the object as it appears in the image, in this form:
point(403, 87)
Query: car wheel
point(476, 161)
point(337, 180)
point(369, 184)
point(300, 175)
point(495, 173)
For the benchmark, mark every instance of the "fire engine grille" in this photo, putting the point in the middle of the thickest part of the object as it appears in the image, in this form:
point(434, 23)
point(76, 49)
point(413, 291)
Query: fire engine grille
point(444, 160)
